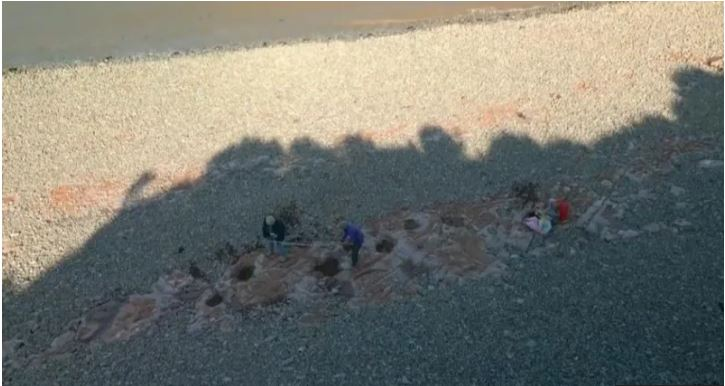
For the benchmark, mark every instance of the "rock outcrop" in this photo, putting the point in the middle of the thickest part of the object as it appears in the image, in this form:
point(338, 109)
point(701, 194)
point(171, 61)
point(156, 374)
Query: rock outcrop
point(404, 253)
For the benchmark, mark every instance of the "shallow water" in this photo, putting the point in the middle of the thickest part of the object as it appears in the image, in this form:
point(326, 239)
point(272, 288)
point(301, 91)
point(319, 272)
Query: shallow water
point(36, 33)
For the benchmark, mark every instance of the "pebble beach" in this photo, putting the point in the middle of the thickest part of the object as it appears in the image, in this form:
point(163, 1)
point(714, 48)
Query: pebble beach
point(117, 172)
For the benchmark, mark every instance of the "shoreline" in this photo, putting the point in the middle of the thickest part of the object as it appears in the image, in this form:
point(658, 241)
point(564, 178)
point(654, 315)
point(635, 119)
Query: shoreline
point(484, 17)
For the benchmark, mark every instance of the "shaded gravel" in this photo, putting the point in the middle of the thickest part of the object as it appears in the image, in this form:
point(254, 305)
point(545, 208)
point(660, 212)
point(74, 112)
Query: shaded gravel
point(640, 312)
point(644, 311)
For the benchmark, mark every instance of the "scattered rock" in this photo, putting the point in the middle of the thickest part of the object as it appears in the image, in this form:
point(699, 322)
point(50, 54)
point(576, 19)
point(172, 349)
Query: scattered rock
point(608, 235)
point(606, 183)
point(192, 292)
point(589, 214)
point(635, 177)
point(308, 288)
point(62, 344)
point(653, 227)
point(645, 194)
point(619, 211)
point(173, 283)
point(598, 225)
point(537, 252)
point(628, 234)
point(677, 191)
point(710, 163)
point(680, 222)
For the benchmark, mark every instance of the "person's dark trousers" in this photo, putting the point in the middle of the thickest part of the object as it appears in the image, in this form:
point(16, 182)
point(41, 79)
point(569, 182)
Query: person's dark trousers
point(355, 254)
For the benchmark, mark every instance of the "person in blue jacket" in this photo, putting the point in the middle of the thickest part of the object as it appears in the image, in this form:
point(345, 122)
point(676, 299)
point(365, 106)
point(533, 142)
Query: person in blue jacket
point(355, 236)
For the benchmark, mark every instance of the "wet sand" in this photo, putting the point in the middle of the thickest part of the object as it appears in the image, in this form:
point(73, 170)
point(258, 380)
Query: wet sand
point(42, 33)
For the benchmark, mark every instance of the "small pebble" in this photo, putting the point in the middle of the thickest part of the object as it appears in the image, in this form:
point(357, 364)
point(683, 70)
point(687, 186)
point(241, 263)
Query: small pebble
point(677, 191)
point(628, 234)
point(680, 222)
point(652, 227)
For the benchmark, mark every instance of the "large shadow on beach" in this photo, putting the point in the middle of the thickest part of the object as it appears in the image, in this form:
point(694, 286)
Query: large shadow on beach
point(356, 180)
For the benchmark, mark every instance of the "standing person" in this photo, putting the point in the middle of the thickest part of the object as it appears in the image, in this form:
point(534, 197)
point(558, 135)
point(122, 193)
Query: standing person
point(274, 231)
point(355, 236)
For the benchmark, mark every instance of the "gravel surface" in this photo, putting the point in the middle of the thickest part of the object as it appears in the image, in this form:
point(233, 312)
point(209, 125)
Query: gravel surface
point(355, 129)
